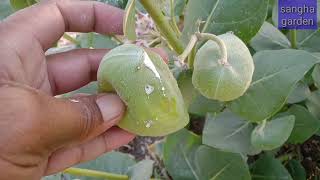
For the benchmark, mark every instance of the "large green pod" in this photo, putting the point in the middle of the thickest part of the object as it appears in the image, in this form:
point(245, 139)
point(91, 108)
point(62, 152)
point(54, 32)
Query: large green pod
point(148, 88)
point(223, 81)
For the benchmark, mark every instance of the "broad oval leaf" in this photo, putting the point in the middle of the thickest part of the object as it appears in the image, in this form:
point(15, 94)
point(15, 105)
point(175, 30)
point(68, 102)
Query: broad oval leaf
point(196, 103)
point(129, 21)
point(201, 106)
point(244, 17)
point(272, 134)
point(305, 124)
point(96, 41)
point(276, 74)
point(144, 82)
point(313, 104)
point(268, 167)
point(186, 159)
point(309, 40)
point(5, 9)
point(269, 38)
point(91, 88)
point(142, 170)
point(299, 93)
point(316, 76)
point(113, 162)
point(223, 81)
point(296, 170)
point(228, 132)
point(117, 3)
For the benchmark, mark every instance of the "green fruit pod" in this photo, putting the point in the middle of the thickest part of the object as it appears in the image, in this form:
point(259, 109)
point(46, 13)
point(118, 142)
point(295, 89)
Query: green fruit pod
point(144, 82)
point(223, 80)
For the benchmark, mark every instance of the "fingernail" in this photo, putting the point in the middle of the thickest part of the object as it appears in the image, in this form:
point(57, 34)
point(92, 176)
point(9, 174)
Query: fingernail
point(111, 107)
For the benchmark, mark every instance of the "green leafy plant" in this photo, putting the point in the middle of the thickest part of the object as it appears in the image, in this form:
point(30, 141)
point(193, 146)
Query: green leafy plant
point(253, 88)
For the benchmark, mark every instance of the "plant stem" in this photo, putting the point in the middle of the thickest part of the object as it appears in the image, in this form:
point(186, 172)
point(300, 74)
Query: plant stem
point(71, 39)
point(293, 38)
point(163, 25)
point(173, 19)
point(193, 41)
point(95, 174)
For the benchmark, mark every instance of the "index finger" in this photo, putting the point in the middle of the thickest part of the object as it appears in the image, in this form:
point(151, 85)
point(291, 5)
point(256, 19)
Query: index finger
point(49, 20)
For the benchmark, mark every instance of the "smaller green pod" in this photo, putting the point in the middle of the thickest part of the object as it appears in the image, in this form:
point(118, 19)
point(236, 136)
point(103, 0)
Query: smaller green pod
point(223, 81)
point(144, 82)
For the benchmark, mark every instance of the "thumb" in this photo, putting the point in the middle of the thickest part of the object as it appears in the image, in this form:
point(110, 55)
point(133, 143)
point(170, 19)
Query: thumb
point(85, 117)
point(43, 122)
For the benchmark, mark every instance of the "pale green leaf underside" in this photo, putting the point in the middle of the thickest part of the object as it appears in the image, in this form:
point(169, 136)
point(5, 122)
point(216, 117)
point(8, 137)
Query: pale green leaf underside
point(228, 132)
point(272, 134)
point(276, 74)
point(269, 38)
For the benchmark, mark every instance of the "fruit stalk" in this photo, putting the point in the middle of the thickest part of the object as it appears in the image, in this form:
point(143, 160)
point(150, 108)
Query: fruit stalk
point(201, 37)
point(163, 25)
point(222, 46)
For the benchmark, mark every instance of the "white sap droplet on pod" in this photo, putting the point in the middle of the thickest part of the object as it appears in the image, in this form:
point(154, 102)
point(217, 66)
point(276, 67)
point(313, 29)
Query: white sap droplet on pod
point(75, 101)
point(149, 123)
point(149, 64)
point(148, 89)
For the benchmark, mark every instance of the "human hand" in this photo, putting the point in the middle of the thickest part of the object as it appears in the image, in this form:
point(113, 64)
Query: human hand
point(40, 134)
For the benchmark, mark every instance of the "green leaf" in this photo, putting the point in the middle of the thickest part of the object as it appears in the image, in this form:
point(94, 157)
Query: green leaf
point(55, 50)
point(269, 38)
point(305, 125)
point(5, 9)
point(201, 106)
point(296, 170)
point(117, 3)
point(228, 132)
point(20, 4)
point(179, 6)
point(313, 104)
point(309, 40)
point(275, 13)
point(96, 41)
point(276, 74)
point(269, 168)
point(272, 134)
point(113, 162)
point(316, 75)
point(129, 21)
point(141, 171)
point(91, 88)
point(244, 17)
point(188, 92)
point(185, 158)
point(196, 103)
point(299, 93)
